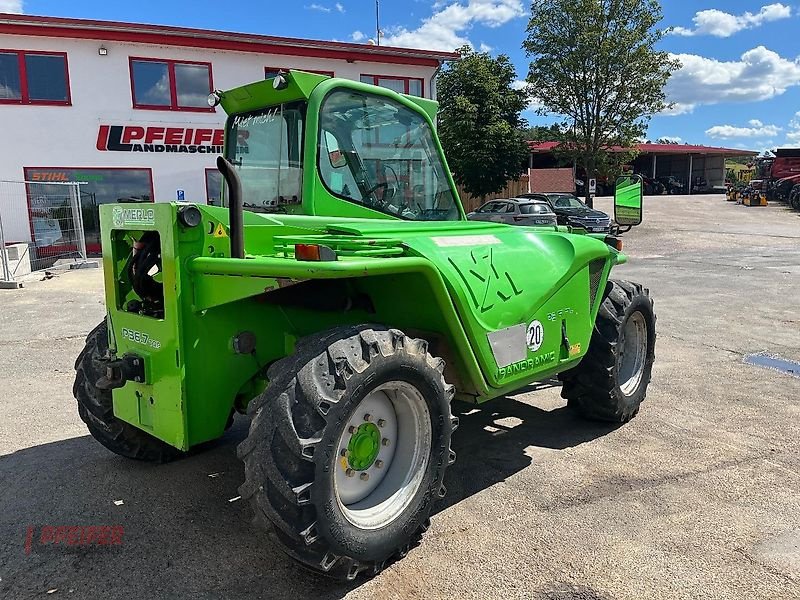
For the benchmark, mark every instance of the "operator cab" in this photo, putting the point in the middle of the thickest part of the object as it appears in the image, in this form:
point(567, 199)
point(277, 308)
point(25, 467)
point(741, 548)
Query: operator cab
point(364, 152)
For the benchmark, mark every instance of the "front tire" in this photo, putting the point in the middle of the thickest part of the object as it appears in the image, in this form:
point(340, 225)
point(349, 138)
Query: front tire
point(611, 380)
point(96, 409)
point(347, 448)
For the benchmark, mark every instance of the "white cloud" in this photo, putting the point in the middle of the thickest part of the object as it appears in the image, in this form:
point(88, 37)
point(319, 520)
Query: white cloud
point(721, 24)
point(670, 139)
point(484, 48)
point(339, 7)
point(760, 74)
point(318, 7)
point(11, 6)
point(726, 132)
point(446, 29)
point(358, 36)
point(533, 104)
point(793, 135)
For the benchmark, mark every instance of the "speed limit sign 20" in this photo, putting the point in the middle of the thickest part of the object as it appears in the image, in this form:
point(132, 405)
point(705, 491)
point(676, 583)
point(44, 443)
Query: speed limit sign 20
point(534, 336)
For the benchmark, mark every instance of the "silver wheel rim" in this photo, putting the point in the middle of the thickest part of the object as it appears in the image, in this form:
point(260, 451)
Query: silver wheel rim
point(632, 354)
point(376, 495)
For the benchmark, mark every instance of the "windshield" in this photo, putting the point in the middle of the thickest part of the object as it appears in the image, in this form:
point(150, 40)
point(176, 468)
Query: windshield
point(534, 209)
point(565, 201)
point(265, 147)
point(492, 207)
point(378, 153)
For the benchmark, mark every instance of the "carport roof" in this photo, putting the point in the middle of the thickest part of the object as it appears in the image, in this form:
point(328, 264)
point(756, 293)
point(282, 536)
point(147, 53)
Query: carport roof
point(648, 148)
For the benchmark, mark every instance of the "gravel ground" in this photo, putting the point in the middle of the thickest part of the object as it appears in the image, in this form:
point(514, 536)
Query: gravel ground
point(698, 497)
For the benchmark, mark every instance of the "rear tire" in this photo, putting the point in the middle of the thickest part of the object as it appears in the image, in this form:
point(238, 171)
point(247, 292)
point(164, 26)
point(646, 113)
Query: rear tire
point(611, 380)
point(96, 408)
point(794, 198)
point(306, 460)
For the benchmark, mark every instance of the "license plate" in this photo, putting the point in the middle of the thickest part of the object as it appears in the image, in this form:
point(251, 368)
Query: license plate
point(596, 228)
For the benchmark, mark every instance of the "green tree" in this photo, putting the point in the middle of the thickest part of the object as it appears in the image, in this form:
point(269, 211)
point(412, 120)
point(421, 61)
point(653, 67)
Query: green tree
point(542, 133)
point(594, 63)
point(480, 123)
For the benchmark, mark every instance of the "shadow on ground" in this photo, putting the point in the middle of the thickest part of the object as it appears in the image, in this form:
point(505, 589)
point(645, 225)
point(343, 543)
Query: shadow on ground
point(184, 537)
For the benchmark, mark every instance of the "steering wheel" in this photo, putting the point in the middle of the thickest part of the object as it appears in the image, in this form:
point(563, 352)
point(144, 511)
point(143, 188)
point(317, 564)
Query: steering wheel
point(385, 185)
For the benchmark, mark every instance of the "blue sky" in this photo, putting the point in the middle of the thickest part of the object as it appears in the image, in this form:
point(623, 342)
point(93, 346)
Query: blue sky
point(739, 86)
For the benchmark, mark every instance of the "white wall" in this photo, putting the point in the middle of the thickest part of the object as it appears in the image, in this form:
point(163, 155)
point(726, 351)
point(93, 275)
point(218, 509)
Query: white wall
point(66, 136)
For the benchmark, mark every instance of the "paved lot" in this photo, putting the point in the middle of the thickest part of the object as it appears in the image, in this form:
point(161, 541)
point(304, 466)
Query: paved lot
point(698, 497)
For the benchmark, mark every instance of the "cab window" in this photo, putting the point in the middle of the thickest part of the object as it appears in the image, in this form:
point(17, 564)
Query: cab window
point(401, 175)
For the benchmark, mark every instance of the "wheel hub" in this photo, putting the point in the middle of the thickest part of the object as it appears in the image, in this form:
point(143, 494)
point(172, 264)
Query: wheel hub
point(363, 447)
point(632, 354)
point(382, 455)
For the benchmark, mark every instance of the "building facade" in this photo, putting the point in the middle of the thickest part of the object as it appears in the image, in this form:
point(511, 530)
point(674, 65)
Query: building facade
point(123, 107)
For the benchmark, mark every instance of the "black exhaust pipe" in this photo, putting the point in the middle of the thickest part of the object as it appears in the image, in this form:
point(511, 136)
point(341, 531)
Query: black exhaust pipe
point(235, 206)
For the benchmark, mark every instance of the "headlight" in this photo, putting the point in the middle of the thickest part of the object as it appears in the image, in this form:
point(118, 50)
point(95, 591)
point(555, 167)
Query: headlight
point(214, 98)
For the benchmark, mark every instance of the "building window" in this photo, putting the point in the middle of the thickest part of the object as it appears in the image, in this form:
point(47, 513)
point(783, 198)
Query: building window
point(214, 183)
point(100, 186)
point(270, 72)
point(402, 85)
point(34, 77)
point(171, 84)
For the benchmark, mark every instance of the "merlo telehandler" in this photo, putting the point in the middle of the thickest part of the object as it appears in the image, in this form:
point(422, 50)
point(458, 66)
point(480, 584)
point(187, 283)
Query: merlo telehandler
point(340, 298)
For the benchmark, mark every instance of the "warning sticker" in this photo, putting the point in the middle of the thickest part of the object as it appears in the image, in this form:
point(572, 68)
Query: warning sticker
point(220, 232)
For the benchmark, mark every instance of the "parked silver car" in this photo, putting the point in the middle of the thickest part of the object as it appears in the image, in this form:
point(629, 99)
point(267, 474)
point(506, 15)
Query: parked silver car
point(516, 211)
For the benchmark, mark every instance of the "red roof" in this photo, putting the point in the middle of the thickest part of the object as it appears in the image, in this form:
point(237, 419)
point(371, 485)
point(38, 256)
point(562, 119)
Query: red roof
point(13, 24)
point(660, 149)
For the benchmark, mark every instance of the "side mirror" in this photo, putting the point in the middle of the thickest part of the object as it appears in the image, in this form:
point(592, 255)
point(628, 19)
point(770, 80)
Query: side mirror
point(338, 159)
point(628, 195)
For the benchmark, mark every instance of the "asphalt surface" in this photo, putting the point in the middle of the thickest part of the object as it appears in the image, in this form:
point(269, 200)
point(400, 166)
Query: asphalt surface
point(698, 497)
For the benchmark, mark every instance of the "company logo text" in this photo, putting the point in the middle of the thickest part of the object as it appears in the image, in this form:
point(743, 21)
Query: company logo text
point(133, 216)
point(135, 138)
point(526, 365)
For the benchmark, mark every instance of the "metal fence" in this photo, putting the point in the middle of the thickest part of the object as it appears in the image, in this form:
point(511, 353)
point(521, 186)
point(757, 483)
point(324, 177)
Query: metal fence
point(42, 226)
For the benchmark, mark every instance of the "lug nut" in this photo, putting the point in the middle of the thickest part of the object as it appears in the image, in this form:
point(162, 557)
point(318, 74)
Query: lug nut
point(378, 464)
point(351, 429)
point(343, 452)
point(364, 476)
point(385, 442)
point(381, 422)
point(349, 472)
point(368, 417)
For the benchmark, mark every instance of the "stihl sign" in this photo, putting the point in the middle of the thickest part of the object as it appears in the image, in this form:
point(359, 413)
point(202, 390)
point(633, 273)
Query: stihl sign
point(133, 138)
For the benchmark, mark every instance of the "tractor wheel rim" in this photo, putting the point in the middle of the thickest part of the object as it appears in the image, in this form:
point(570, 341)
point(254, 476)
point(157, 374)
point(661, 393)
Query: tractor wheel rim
point(632, 354)
point(376, 477)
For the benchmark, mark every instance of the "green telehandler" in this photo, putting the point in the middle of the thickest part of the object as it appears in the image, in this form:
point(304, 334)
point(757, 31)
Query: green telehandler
point(341, 299)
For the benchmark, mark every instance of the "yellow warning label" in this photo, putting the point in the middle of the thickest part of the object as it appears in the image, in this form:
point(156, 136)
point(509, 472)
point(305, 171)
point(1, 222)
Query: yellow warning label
point(220, 231)
point(574, 349)
point(343, 462)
